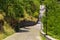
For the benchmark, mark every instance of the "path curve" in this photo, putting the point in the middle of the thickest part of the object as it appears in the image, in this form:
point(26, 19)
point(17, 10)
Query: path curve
point(28, 33)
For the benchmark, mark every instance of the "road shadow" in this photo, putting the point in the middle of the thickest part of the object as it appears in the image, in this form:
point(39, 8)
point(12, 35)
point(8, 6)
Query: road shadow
point(25, 23)
point(16, 25)
point(22, 31)
point(26, 28)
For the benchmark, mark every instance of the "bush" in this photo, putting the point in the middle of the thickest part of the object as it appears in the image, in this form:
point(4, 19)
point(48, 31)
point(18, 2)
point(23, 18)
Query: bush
point(53, 18)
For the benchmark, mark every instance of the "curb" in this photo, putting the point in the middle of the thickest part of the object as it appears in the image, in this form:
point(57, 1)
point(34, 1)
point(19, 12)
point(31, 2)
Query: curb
point(47, 36)
point(44, 34)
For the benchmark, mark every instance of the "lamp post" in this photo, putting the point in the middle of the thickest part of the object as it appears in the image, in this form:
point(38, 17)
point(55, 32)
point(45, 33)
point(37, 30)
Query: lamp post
point(46, 19)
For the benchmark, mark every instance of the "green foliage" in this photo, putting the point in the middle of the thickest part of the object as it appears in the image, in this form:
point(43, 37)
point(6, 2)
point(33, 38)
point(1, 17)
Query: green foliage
point(53, 18)
point(15, 8)
point(18, 9)
point(35, 14)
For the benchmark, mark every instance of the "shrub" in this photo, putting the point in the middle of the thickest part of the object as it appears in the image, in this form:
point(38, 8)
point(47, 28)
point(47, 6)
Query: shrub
point(53, 18)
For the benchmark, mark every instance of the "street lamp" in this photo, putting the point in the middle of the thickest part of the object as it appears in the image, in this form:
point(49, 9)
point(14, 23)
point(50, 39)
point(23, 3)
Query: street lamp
point(46, 19)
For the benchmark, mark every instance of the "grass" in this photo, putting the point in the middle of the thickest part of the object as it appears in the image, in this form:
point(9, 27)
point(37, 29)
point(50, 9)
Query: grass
point(54, 36)
point(7, 31)
point(7, 28)
point(43, 38)
point(2, 36)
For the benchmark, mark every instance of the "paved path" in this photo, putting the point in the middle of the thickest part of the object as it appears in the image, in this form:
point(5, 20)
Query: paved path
point(28, 33)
